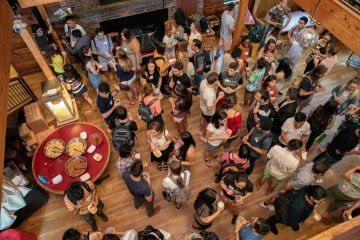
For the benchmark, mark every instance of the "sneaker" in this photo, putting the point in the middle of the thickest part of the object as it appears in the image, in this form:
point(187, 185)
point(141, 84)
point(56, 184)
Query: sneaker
point(269, 207)
point(156, 210)
point(103, 217)
point(202, 138)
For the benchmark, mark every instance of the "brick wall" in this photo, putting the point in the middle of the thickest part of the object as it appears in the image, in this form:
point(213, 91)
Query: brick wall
point(91, 21)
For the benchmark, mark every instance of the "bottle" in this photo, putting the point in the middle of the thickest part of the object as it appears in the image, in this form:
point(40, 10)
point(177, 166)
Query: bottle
point(321, 138)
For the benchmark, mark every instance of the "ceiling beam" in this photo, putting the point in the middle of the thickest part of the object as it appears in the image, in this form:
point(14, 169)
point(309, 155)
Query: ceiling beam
point(34, 3)
point(240, 22)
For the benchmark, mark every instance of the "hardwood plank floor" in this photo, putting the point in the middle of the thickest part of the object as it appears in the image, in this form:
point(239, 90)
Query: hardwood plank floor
point(53, 219)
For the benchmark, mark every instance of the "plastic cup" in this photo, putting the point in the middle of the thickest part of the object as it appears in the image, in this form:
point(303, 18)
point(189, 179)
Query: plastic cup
point(221, 204)
point(317, 217)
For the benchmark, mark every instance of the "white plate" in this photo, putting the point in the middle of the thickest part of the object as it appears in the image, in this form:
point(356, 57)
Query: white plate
point(91, 149)
point(83, 135)
point(97, 157)
point(85, 177)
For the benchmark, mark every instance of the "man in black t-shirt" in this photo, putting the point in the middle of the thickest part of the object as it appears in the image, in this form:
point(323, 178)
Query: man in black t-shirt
point(179, 77)
point(342, 144)
point(236, 187)
point(105, 103)
point(230, 81)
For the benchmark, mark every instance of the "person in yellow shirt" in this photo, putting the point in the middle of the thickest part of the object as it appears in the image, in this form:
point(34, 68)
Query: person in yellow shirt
point(164, 65)
point(80, 198)
point(57, 61)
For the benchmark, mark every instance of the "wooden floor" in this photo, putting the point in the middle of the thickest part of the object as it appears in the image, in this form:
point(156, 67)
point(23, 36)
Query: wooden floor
point(53, 219)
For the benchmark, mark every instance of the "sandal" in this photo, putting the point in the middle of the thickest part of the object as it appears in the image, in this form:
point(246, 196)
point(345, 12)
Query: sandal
point(165, 166)
point(159, 166)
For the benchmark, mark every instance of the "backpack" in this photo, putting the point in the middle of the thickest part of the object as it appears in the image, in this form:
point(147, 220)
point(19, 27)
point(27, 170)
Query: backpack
point(122, 135)
point(204, 25)
point(255, 34)
point(207, 61)
point(150, 231)
point(145, 112)
point(282, 205)
point(179, 195)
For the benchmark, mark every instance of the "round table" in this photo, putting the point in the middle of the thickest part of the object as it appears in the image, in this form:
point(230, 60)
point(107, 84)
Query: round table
point(50, 167)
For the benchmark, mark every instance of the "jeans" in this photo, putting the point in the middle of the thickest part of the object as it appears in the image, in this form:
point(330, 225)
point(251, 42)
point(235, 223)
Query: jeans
point(325, 157)
point(198, 78)
point(89, 217)
point(315, 132)
point(252, 165)
point(267, 29)
point(339, 199)
point(138, 201)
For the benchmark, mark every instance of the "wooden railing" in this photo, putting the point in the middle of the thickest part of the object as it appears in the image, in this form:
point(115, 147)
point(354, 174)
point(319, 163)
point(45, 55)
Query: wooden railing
point(19, 95)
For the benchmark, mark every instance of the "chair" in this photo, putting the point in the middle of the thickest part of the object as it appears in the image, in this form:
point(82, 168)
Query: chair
point(209, 44)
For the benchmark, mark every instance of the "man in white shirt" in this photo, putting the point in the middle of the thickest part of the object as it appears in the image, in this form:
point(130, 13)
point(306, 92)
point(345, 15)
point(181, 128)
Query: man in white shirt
point(70, 25)
point(283, 161)
point(208, 101)
point(226, 30)
point(295, 128)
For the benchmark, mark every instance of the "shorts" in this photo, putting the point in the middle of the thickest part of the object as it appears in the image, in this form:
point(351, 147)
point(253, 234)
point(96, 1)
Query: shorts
point(178, 120)
point(267, 175)
point(225, 43)
point(129, 82)
point(81, 92)
point(105, 64)
point(207, 118)
point(212, 148)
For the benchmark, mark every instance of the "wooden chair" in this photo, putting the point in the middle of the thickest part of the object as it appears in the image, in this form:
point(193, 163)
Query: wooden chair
point(209, 44)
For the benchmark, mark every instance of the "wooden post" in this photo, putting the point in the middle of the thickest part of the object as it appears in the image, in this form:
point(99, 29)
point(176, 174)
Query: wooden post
point(6, 23)
point(240, 22)
point(54, 34)
point(36, 52)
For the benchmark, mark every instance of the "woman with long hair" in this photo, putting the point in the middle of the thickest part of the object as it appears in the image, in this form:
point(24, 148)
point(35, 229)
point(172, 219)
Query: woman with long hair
point(92, 68)
point(234, 118)
point(320, 119)
point(151, 74)
point(152, 101)
point(216, 134)
point(161, 144)
point(268, 52)
point(283, 71)
point(185, 149)
point(270, 85)
point(246, 51)
point(194, 34)
point(73, 83)
point(181, 106)
point(319, 51)
point(132, 47)
point(126, 74)
point(207, 208)
point(262, 109)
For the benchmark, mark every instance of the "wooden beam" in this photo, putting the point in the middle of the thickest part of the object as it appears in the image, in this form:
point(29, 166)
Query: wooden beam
point(239, 26)
point(6, 23)
point(30, 42)
point(337, 18)
point(54, 34)
point(33, 3)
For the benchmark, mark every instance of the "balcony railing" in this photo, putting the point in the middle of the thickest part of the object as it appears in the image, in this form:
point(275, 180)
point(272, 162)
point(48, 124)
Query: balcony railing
point(19, 95)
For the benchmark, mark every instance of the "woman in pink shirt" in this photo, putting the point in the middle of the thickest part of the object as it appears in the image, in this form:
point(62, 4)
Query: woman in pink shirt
point(153, 101)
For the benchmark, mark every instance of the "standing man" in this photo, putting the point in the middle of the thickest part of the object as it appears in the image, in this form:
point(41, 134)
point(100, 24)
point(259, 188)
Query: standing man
point(139, 185)
point(77, 42)
point(105, 103)
point(230, 81)
point(296, 31)
point(226, 30)
point(199, 62)
point(179, 77)
point(275, 18)
point(102, 46)
point(70, 25)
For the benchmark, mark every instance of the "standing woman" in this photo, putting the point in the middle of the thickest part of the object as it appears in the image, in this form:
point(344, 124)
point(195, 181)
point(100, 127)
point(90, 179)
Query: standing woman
point(283, 72)
point(161, 144)
point(126, 74)
point(270, 85)
point(151, 75)
point(206, 208)
point(216, 134)
point(92, 68)
point(185, 149)
point(153, 102)
point(74, 83)
point(320, 119)
point(246, 51)
point(194, 34)
point(132, 48)
point(319, 51)
point(181, 106)
point(234, 118)
point(268, 52)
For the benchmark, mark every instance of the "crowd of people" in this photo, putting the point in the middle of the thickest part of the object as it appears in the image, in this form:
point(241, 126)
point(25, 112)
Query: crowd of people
point(278, 128)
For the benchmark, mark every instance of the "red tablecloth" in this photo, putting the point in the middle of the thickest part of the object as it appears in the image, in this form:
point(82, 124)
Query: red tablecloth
point(49, 167)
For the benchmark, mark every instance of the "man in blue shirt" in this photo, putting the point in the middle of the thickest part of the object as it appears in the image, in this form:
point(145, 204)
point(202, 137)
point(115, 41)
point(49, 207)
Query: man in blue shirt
point(226, 30)
point(102, 46)
point(254, 230)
